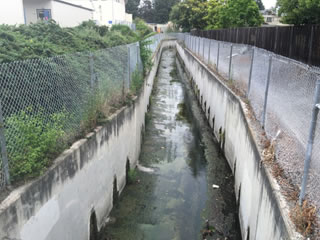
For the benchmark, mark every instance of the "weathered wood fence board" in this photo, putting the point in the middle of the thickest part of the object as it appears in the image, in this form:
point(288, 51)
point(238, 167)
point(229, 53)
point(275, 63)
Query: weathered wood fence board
point(298, 42)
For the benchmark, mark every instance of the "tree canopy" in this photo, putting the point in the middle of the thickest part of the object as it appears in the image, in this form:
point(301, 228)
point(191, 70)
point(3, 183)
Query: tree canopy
point(152, 11)
point(190, 14)
point(214, 14)
point(299, 11)
point(162, 9)
point(235, 13)
point(146, 11)
point(132, 6)
point(260, 4)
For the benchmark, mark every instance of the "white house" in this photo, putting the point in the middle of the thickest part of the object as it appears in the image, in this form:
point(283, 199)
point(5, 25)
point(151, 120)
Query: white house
point(68, 13)
point(107, 12)
point(30, 11)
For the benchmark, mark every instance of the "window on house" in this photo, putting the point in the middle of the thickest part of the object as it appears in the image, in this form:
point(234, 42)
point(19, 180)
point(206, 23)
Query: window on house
point(269, 19)
point(44, 14)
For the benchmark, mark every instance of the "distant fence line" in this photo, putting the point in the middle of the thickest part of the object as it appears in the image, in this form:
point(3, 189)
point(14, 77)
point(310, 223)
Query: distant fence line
point(301, 43)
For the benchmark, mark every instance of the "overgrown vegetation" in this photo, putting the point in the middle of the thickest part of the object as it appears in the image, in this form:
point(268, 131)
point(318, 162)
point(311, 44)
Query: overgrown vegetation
point(145, 54)
point(56, 115)
point(136, 82)
point(299, 12)
point(142, 28)
point(214, 14)
point(132, 176)
point(156, 11)
point(49, 39)
point(37, 140)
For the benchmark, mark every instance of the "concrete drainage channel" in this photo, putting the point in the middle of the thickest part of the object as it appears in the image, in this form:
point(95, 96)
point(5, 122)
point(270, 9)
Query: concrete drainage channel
point(188, 191)
point(73, 200)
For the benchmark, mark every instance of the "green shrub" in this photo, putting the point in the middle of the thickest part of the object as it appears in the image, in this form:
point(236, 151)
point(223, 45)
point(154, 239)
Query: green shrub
point(32, 141)
point(146, 54)
point(49, 39)
point(142, 28)
point(136, 82)
point(132, 176)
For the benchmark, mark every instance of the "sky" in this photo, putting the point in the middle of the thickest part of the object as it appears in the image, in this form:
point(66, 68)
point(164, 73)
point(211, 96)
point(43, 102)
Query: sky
point(269, 3)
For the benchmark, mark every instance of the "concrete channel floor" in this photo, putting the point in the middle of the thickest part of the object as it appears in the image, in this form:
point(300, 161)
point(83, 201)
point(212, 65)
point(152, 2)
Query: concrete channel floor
point(175, 200)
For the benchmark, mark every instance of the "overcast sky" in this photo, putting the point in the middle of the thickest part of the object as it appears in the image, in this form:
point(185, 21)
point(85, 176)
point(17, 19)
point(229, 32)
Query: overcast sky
point(269, 3)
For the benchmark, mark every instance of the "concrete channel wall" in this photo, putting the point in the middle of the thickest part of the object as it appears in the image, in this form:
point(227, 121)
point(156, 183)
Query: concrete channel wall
point(60, 204)
point(262, 213)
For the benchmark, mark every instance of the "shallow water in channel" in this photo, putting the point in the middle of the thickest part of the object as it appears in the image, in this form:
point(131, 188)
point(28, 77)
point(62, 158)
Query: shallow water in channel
point(175, 200)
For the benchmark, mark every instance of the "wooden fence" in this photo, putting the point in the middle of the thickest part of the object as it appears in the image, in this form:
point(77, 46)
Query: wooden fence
point(297, 42)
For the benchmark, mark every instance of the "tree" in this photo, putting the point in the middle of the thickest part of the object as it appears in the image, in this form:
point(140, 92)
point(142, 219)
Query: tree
point(132, 7)
point(299, 11)
point(260, 4)
point(190, 14)
point(146, 11)
point(162, 9)
point(235, 13)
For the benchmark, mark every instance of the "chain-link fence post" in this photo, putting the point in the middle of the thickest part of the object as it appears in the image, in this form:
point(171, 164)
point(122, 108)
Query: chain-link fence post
point(250, 74)
point(218, 53)
point(92, 74)
point(138, 48)
point(199, 46)
point(195, 44)
point(230, 61)
point(312, 130)
point(4, 154)
point(266, 93)
point(129, 69)
point(203, 41)
point(209, 52)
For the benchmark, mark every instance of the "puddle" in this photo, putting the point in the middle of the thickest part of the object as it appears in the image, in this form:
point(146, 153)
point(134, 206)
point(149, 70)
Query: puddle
point(175, 199)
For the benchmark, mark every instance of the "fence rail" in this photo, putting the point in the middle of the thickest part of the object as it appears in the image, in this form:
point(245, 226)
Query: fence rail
point(282, 94)
point(301, 43)
point(48, 103)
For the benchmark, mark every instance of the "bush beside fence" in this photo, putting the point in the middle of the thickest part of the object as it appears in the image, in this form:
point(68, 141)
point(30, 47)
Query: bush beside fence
point(46, 104)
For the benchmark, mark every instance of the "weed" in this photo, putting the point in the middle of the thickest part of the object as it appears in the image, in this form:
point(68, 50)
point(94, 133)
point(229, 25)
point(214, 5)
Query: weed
point(182, 114)
point(137, 82)
point(146, 55)
point(304, 217)
point(132, 176)
point(147, 118)
point(34, 140)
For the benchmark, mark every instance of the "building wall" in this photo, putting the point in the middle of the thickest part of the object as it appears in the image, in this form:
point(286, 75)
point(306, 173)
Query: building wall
point(128, 17)
point(31, 7)
point(69, 16)
point(107, 11)
point(275, 20)
point(11, 12)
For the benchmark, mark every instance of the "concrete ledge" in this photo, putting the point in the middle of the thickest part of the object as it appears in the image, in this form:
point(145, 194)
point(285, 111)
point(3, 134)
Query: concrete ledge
point(59, 204)
point(263, 212)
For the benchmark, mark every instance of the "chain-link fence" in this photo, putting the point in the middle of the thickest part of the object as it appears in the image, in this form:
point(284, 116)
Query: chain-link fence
point(282, 94)
point(48, 103)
